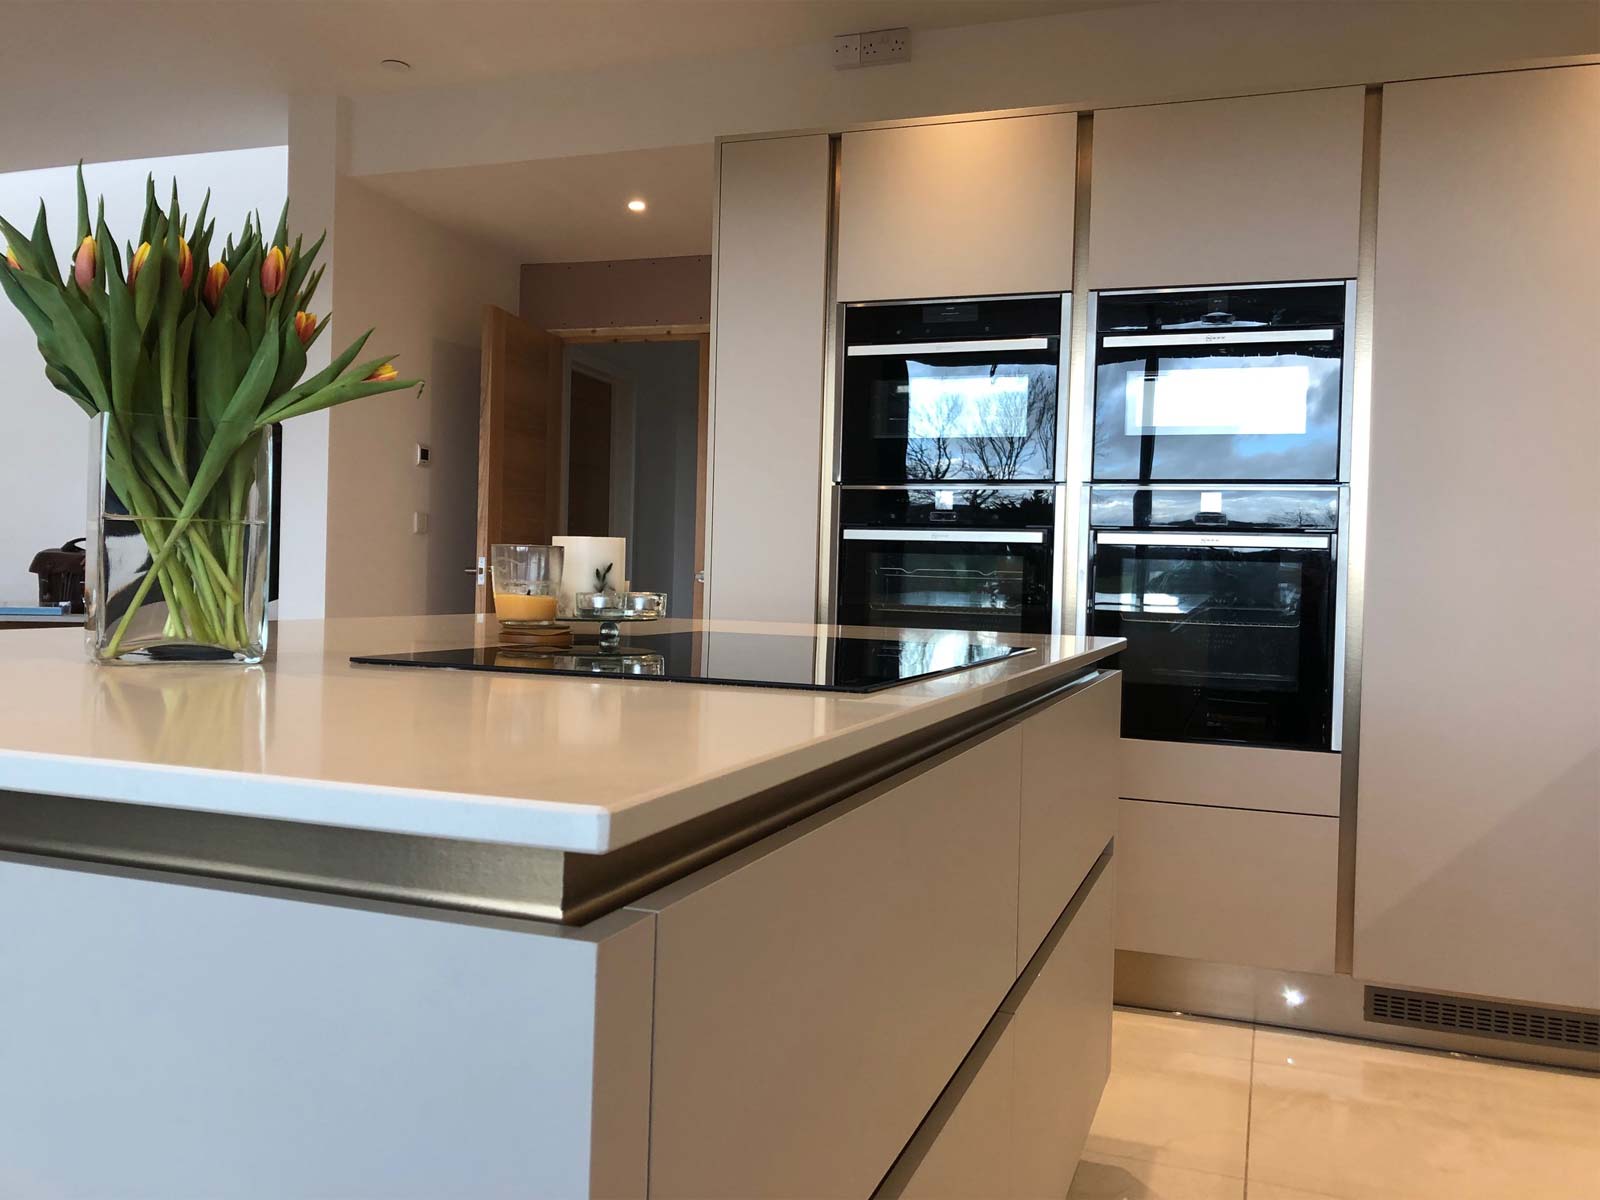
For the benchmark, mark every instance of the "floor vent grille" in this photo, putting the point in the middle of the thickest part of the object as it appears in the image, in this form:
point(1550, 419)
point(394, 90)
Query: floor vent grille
point(1513, 1022)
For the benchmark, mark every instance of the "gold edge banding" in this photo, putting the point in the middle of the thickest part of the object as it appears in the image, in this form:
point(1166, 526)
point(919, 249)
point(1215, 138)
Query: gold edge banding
point(1071, 542)
point(1360, 474)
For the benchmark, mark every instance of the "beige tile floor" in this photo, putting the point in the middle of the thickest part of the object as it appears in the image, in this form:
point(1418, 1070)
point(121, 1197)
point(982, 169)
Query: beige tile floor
point(1209, 1110)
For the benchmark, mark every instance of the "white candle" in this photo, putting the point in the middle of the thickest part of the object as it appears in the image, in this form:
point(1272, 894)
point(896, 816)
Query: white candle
point(585, 556)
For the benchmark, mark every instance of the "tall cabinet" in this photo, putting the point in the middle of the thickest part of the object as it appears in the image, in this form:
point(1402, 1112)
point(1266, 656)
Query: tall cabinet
point(1478, 857)
point(1228, 854)
point(770, 279)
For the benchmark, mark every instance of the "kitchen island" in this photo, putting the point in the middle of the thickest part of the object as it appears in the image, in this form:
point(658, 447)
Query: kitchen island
point(318, 929)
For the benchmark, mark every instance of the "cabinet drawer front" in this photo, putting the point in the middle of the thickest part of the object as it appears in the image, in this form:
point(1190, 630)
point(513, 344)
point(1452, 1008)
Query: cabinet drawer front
point(1226, 885)
point(1061, 1036)
point(963, 1148)
point(813, 997)
point(1070, 765)
point(1254, 777)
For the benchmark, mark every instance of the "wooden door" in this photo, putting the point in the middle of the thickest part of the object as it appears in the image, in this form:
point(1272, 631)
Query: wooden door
point(519, 436)
point(589, 457)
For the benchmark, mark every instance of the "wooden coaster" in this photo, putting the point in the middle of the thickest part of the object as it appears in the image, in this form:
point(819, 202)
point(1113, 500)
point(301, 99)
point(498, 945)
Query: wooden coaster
point(557, 636)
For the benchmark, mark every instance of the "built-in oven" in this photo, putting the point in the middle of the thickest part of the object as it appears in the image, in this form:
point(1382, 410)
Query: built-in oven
point(1230, 599)
point(1225, 384)
point(951, 390)
point(958, 557)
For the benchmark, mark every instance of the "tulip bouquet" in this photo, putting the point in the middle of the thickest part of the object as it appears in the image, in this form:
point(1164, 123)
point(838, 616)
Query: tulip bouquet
point(187, 362)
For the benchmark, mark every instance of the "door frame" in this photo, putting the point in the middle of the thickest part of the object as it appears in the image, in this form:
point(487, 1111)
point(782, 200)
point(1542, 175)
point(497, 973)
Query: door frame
point(693, 332)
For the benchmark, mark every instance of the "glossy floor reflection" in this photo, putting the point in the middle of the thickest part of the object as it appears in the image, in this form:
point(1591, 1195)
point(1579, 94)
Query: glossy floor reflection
point(1210, 1110)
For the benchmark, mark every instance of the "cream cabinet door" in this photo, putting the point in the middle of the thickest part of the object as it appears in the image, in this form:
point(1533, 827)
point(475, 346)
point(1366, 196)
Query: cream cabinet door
point(963, 1149)
point(1071, 761)
point(1479, 837)
point(1227, 191)
point(815, 993)
point(970, 208)
point(1061, 1048)
point(770, 273)
point(1227, 885)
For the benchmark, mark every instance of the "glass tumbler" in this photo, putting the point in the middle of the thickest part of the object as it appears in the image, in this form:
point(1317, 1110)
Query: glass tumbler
point(527, 583)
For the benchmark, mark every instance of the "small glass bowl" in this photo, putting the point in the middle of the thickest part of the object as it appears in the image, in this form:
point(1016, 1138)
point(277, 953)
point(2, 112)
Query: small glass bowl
point(645, 604)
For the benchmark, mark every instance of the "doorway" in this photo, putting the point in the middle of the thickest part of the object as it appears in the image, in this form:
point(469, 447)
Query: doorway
point(599, 432)
point(633, 457)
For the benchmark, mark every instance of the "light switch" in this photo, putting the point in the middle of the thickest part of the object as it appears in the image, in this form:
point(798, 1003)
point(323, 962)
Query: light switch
point(419, 522)
point(424, 454)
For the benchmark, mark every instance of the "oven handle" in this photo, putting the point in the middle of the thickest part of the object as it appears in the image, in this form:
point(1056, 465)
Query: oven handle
point(1219, 338)
point(976, 346)
point(1034, 537)
point(1258, 541)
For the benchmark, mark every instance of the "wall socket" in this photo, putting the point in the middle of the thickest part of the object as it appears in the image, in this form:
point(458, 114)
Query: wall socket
point(872, 49)
point(885, 46)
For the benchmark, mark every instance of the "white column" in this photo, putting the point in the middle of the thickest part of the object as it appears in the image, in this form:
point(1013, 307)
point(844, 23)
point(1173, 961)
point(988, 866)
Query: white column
point(318, 155)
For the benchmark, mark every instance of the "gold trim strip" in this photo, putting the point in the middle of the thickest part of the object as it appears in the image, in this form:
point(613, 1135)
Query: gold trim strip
point(1356, 549)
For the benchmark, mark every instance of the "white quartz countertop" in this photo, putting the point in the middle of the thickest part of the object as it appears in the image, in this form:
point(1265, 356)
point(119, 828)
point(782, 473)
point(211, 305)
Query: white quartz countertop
point(563, 763)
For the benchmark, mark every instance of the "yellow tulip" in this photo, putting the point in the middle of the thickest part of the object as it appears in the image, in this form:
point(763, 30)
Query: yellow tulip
point(216, 280)
point(185, 265)
point(305, 325)
point(274, 270)
point(140, 257)
point(83, 264)
point(383, 374)
point(11, 260)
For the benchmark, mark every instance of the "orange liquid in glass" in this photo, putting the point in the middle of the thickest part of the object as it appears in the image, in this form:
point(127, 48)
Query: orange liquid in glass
point(509, 606)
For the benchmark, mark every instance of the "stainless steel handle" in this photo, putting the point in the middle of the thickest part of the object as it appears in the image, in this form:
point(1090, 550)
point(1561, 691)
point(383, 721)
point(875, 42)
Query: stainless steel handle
point(1219, 337)
point(1253, 541)
point(1031, 537)
point(975, 346)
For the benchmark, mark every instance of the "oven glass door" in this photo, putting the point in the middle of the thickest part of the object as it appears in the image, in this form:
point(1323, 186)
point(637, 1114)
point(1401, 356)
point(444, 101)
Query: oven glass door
point(1228, 642)
point(1256, 405)
point(980, 410)
point(946, 579)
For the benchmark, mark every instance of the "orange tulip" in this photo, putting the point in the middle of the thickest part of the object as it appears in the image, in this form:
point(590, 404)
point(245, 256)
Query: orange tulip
point(140, 257)
point(383, 374)
point(185, 265)
point(274, 270)
point(305, 325)
point(11, 260)
point(83, 264)
point(216, 280)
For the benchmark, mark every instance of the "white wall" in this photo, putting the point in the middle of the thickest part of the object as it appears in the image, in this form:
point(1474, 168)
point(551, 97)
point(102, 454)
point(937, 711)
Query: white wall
point(1118, 55)
point(424, 288)
point(44, 451)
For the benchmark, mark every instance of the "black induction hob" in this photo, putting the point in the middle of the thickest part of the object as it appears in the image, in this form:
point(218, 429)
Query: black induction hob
point(837, 664)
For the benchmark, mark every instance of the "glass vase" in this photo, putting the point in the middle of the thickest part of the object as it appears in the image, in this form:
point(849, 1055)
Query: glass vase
point(178, 564)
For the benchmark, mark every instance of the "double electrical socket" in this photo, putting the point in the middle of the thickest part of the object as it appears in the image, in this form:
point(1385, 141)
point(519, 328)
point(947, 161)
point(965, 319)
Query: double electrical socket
point(872, 49)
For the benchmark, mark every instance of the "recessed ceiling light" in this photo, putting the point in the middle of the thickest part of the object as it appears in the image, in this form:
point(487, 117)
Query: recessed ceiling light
point(1293, 997)
point(636, 206)
point(395, 64)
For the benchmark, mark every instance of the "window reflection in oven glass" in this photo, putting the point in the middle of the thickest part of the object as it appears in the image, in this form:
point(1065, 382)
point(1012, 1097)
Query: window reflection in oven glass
point(912, 583)
point(1209, 621)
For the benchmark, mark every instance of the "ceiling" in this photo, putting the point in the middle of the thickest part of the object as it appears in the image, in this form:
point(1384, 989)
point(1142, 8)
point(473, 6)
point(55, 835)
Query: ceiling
point(571, 209)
